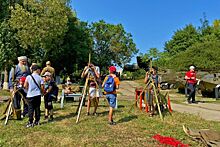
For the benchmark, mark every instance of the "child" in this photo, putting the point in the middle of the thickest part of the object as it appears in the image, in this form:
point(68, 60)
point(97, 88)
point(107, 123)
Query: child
point(20, 94)
point(111, 81)
point(48, 95)
point(34, 86)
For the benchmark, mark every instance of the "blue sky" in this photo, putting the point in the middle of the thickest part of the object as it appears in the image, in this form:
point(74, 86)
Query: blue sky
point(151, 22)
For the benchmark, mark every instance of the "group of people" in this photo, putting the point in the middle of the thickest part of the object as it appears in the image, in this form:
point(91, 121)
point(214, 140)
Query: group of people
point(32, 84)
point(95, 84)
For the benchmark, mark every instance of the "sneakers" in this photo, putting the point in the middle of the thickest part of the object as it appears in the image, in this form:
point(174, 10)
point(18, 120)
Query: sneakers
point(36, 123)
point(189, 102)
point(51, 118)
point(29, 124)
point(194, 102)
point(87, 114)
point(95, 114)
point(112, 123)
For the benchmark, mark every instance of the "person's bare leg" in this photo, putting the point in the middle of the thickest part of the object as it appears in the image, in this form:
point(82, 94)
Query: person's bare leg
point(96, 105)
point(88, 105)
point(110, 115)
point(46, 113)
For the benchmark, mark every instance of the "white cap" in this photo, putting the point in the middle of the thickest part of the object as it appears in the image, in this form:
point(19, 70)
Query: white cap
point(47, 74)
point(191, 67)
point(22, 58)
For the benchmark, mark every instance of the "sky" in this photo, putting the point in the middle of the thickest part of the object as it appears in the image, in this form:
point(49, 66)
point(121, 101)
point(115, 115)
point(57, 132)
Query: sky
point(151, 22)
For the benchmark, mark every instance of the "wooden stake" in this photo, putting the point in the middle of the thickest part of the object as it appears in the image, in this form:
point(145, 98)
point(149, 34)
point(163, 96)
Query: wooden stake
point(83, 97)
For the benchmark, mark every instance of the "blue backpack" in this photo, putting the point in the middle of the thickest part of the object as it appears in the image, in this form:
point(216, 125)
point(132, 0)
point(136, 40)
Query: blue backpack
point(109, 85)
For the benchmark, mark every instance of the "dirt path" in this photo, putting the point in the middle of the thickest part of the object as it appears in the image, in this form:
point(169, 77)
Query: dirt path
point(127, 90)
point(208, 111)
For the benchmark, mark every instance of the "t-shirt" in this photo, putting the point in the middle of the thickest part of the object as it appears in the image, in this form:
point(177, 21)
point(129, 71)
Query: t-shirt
point(48, 69)
point(33, 89)
point(192, 75)
point(49, 84)
point(92, 74)
point(117, 82)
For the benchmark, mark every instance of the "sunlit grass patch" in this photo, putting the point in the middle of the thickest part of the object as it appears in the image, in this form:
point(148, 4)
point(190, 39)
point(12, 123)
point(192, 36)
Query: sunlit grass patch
point(133, 128)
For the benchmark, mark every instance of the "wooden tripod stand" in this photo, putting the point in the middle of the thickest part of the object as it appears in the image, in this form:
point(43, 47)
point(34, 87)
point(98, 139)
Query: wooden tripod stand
point(10, 109)
point(88, 78)
point(86, 92)
point(150, 86)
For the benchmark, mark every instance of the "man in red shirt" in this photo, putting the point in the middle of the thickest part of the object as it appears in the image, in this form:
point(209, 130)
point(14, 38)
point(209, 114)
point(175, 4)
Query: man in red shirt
point(191, 84)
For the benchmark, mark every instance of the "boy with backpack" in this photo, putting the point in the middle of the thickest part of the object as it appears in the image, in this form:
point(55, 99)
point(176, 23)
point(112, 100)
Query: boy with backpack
point(110, 84)
point(49, 94)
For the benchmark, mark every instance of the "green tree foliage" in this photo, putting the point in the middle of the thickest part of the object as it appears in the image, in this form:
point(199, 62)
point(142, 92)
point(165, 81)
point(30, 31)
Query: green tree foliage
point(181, 40)
point(75, 48)
point(5, 8)
point(154, 53)
point(205, 56)
point(112, 44)
point(216, 24)
point(9, 46)
point(39, 25)
point(191, 46)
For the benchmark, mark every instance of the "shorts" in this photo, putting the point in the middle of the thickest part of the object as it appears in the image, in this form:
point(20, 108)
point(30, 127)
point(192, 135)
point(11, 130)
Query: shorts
point(111, 100)
point(48, 102)
point(93, 92)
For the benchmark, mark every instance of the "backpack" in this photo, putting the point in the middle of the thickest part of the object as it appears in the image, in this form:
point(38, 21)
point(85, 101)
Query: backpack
point(109, 85)
point(54, 92)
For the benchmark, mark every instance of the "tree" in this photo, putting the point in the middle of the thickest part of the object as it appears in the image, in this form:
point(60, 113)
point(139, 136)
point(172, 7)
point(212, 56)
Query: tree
point(216, 24)
point(9, 46)
point(182, 39)
point(205, 56)
point(39, 25)
point(5, 6)
point(9, 49)
point(112, 44)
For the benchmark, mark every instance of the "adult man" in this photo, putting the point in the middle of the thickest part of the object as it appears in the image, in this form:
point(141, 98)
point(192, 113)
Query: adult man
point(94, 92)
point(20, 70)
point(191, 84)
point(48, 68)
point(150, 96)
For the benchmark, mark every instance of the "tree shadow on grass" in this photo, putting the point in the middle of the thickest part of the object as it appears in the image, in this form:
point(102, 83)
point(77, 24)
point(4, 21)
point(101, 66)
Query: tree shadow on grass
point(60, 118)
point(127, 118)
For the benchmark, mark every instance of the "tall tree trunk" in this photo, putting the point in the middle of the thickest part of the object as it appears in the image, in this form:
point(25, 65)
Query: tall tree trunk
point(5, 84)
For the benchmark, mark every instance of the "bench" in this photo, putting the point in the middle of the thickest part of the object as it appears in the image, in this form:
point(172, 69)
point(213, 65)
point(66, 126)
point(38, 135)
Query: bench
point(74, 96)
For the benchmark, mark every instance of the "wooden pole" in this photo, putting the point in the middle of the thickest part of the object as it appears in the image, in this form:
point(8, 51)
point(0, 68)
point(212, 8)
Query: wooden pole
point(89, 58)
point(8, 113)
point(157, 101)
point(83, 97)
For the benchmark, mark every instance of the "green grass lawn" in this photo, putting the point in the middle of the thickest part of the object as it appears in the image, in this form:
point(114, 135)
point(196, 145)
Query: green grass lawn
point(132, 129)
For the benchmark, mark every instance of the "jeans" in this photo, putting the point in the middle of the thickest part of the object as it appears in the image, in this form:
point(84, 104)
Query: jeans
point(192, 91)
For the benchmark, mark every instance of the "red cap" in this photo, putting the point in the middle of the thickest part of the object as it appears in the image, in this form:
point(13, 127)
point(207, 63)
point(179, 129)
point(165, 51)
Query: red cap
point(112, 68)
point(22, 79)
